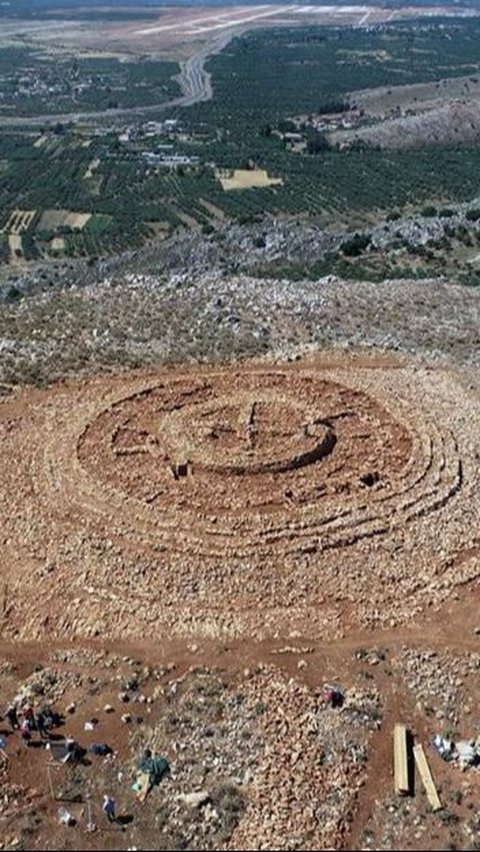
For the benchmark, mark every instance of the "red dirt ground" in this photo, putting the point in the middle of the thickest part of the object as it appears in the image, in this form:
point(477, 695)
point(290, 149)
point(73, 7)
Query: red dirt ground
point(280, 516)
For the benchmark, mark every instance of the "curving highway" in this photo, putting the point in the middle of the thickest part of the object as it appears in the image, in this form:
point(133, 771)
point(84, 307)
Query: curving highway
point(195, 83)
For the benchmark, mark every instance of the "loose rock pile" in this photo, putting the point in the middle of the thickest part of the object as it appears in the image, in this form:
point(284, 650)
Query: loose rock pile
point(304, 791)
point(263, 764)
point(443, 683)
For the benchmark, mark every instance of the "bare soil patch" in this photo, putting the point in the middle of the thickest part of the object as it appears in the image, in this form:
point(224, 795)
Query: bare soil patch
point(93, 166)
point(16, 247)
point(387, 100)
point(57, 244)
point(448, 125)
point(246, 178)
point(53, 219)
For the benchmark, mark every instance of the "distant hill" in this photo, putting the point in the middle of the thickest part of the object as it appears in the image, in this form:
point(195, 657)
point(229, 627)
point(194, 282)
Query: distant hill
point(450, 125)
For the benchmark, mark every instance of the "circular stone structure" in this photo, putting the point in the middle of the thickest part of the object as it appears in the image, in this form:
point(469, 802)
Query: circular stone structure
point(280, 442)
point(254, 433)
point(238, 501)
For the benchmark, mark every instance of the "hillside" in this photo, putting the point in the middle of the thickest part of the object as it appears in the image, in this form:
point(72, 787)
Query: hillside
point(239, 428)
point(451, 125)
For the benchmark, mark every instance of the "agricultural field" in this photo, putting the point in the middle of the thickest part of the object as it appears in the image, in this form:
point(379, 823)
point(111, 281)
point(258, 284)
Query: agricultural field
point(55, 219)
point(245, 179)
point(284, 71)
point(280, 73)
point(34, 81)
point(114, 171)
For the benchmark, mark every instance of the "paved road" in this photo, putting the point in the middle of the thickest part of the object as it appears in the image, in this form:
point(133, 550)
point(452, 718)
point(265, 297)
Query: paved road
point(194, 80)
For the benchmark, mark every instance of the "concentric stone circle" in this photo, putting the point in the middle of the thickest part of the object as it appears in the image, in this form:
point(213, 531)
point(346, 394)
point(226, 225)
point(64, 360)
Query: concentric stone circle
point(281, 453)
point(232, 498)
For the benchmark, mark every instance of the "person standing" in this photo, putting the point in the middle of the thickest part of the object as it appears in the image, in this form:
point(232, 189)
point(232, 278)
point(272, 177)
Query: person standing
point(42, 726)
point(26, 732)
point(11, 715)
point(29, 716)
point(108, 808)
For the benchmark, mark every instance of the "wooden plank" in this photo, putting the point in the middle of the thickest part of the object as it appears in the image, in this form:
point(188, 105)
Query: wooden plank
point(143, 781)
point(400, 757)
point(427, 778)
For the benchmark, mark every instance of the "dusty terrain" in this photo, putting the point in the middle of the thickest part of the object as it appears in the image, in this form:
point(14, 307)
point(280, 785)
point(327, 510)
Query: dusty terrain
point(391, 100)
point(441, 113)
point(228, 502)
point(248, 728)
point(193, 554)
point(194, 550)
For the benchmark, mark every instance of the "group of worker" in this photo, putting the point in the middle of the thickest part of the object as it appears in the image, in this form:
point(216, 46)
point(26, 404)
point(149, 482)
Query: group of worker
point(29, 721)
point(23, 718)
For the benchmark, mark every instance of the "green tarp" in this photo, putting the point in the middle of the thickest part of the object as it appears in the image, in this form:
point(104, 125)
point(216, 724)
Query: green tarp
point(154, 767)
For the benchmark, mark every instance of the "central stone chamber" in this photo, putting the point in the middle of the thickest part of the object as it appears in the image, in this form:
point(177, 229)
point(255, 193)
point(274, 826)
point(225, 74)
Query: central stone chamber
point(242, 445)
point(259, 433)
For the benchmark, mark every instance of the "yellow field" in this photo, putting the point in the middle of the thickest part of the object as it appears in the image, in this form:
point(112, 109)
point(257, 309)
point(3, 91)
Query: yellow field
point(52, 219)
point(92, 168)
point(78, 220)
point(15, 244)
point(245, 179)
point(57, 244)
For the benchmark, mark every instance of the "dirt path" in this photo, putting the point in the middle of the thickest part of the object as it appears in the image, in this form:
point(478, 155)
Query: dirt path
point(453, 626)
point(326, 661)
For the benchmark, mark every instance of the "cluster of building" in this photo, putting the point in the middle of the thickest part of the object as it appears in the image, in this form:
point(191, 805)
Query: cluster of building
point(168, 158)
point(31, 83)
point(328, 122)
point(150, 129)
point(161, 153)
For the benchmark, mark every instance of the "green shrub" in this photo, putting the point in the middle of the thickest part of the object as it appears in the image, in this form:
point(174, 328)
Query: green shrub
point(473, 215)
point(357, 244)
point(429, 210)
